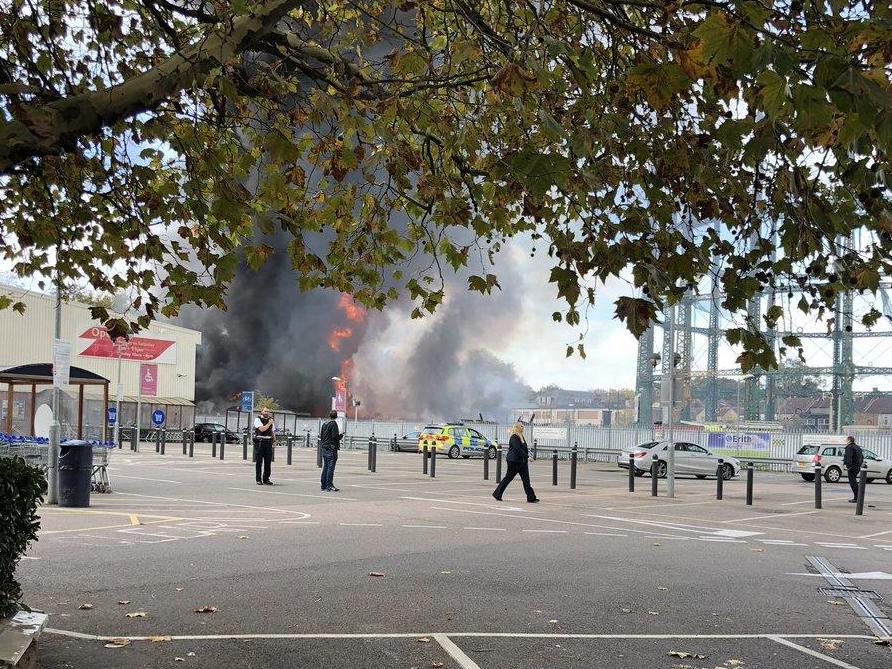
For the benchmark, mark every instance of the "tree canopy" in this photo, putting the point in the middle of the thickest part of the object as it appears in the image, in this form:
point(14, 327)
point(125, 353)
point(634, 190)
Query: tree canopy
point(146, 143)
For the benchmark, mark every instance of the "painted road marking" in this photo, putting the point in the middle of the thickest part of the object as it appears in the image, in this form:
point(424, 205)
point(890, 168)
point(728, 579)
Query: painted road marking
point(296, 494)
point(487, 529)
point(771, 515)
point(143, 478)
point(606, 534)
point(838, 545)
point(678, 527)
point(134, 519)
point(455, 652)
point(361, 524)
point(548, 531)
point(426, 527)
point(864, 575)
point(201, 501)
point(813, 653)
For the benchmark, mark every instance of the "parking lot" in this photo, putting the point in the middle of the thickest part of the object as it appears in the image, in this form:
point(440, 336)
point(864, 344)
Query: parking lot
point(401, 570)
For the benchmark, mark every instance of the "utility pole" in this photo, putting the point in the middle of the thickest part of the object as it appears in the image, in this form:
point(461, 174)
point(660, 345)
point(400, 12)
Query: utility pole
point(119, 397)
point(670, 461)
point(52, 493)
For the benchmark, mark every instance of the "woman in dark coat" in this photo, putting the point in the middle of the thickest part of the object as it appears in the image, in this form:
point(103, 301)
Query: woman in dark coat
point(518, 455)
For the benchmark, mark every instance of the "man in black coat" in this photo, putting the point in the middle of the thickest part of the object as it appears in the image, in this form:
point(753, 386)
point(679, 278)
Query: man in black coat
point(853, 459)
point(330, 441)
point(518, 457)
point(264, 440)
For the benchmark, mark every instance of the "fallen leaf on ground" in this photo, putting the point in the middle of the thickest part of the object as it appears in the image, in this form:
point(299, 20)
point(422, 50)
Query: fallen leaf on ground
point(653, 613)
point(445, 572)
point(243, 536)
point(661, 588)
point(158, 638)
point(178, 659)
point(190, 654)
point(85, 607)
point(626, 610)
point(423, 639)
point(883, 642)
point(830, 644)
point(682, 666)
point(656, 544)
point(757, 550)
point(205, 609)
point(734, 663)
point(835, 602)
point(682, 655)
point(552, 621)
point(436, 665)
point(179, 589)
point(375, 573)
point(137, 614)
point(117, 643)
point(124, 601)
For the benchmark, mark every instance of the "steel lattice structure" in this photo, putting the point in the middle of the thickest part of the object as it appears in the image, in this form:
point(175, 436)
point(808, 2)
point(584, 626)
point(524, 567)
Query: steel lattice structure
point(759, 383)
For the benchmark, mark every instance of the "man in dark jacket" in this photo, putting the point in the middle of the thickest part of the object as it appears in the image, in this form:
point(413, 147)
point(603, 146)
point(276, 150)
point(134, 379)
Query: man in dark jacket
point(330, 441)
point(853, 459)
point(517, 458)
point(264, 440)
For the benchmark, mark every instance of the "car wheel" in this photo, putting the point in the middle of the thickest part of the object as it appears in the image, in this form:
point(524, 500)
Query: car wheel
point(491, 452)
point(833, 474)
point(701, 476)
point(807, 477)
point(661, 469)
point(889, 477)
point(727, 472)
point(454, 452)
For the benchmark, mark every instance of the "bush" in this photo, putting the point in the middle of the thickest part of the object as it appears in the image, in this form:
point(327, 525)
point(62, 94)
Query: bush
point(21, 490)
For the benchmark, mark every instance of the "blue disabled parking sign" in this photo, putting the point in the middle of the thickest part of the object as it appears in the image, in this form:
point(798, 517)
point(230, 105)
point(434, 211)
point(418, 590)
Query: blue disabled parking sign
point(112, 415)
point(157, 417)
point(246, 402)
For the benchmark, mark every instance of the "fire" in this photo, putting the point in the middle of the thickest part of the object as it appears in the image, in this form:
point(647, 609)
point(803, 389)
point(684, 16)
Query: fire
point(337, 336)
point(353, 312)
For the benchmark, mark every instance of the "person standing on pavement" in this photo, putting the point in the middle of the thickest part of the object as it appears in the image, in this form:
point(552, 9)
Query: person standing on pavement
point(518, 458)
point(853, 459)
point(330, 441)
point(264, 438)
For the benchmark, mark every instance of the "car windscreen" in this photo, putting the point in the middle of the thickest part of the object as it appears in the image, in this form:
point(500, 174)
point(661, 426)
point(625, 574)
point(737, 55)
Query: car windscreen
point(430, 429)
point(807, 450)
point(649, 445)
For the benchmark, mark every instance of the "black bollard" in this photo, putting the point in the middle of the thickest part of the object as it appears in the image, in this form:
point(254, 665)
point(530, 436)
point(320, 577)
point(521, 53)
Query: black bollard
point(163, 441)
point(289, 444)
point(185, 439)
point(369, 455)
point(319, 454)
point(631, 474)
point(819, 477)
point(749, 483)
point(862, 490)
point(653, 476)
point(308, 439)
point(554, 468)
point(158, 441)
point(222, 445)
point(374, 454)
point(213, 444)
point(134, 446)
point(424, 460)
point(486, 464)
point(573, 459)
point(719, 481)
point(498, 463)
point(245, 445)
point(535, 449)
point(121, 439)
point(191, 444)
point(434, 462)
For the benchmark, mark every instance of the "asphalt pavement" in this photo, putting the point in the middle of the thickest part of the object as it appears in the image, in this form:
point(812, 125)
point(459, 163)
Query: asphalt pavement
point(402, 570)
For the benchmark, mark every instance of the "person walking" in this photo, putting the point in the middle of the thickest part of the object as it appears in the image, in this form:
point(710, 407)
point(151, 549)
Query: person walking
point(518, 457)
point(264, 438)
point(330, 441)
point(853, 459)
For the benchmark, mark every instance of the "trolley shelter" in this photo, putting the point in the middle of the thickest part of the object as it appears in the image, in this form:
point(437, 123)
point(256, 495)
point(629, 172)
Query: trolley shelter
point(41, 374)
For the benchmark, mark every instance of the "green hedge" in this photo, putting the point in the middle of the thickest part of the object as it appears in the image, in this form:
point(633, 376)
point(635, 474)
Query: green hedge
point(21, 490)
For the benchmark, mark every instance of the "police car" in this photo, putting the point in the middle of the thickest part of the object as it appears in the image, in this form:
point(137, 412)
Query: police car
point(455, 440)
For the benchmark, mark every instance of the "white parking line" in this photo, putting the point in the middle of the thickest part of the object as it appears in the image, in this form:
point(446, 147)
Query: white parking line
point(813, 653)
point(455, 652)
point(547, 531)
point(487, 529)
point(426, 527)
point(296, 494)
point(143, 478)
point(360, 524)
point(771, 515)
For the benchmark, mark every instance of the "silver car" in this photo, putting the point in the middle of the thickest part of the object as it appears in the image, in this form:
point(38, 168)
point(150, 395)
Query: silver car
point(689, 459)
point(831, 457)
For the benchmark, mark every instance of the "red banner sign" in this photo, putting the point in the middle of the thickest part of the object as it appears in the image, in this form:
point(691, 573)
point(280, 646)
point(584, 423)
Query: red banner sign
point(95, 343)
point(148, 380)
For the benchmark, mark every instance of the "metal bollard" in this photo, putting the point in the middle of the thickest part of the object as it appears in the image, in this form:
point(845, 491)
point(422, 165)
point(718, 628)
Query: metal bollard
point(369, 455)
point(434, 462)
point(319, 454)
point(719, 481)
point(631, 474)
point(120, 439)
point(749, 483)
point(424, 460)
point(535, 449)
point(191, 444)
point(498, 463)
point(158, 441)
point(163, 441)
point(554, 468)
point(245, 445)
point(308, 439)
point(222, 445)
point(185, 439)
point(374, 454)
point(133, 445)
point(573, 458)
point(819, 476)
point(653, 476)
point(289, 444)
point(486, 465)
point(862, 490)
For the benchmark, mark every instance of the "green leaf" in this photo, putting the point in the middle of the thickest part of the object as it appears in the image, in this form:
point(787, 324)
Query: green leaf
point(638, 314)
point(773, 91)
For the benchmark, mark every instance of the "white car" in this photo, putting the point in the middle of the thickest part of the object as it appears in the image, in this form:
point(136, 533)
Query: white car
point(689, 459)
point(831, 458)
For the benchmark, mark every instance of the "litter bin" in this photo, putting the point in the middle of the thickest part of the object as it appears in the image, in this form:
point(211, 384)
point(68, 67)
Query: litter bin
point(75, 472)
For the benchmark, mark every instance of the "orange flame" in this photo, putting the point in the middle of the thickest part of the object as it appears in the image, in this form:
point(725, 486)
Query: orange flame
point(336, 336)
point(354, 312)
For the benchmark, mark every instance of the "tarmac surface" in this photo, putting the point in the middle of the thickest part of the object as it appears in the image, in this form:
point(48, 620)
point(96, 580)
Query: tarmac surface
point(402, 570)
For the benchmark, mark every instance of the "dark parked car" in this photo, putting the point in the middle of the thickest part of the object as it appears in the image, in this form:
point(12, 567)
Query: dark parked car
point(203, 432)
